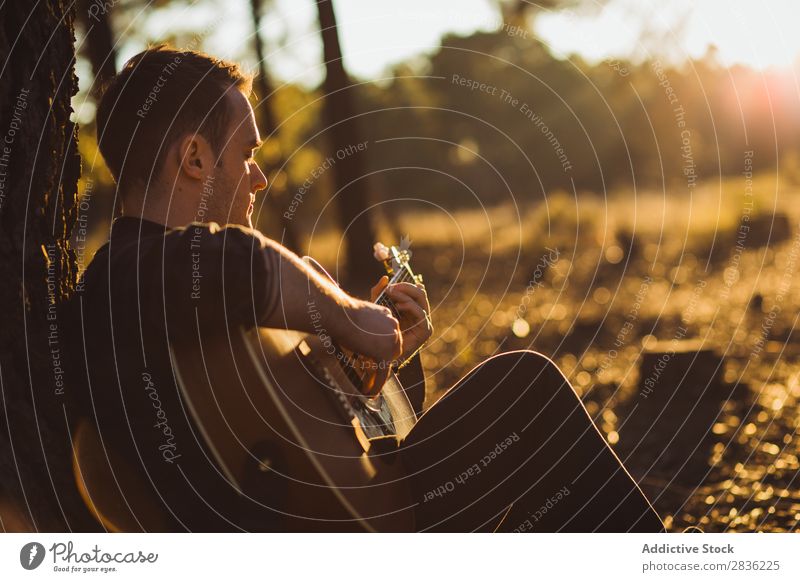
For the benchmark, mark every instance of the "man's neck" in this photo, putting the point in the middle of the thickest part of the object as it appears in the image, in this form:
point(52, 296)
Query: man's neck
point(154, 206)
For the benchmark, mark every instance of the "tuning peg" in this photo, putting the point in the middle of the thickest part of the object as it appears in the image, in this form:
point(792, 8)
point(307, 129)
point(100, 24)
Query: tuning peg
point(381, 251)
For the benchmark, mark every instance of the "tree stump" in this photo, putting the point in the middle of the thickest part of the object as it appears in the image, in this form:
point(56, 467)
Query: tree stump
point(665, 433)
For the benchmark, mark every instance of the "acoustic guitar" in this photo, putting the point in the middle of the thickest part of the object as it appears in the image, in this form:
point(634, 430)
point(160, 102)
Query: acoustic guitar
point(284, 416)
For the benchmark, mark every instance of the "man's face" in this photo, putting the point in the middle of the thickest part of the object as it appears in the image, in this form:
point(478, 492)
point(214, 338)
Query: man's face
point(236, 178)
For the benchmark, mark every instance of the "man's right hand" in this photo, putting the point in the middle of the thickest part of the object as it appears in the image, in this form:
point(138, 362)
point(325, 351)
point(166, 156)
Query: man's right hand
point(375, 333)
point(360, 326)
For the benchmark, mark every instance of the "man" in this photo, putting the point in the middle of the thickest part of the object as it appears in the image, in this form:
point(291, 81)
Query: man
point(178, 134)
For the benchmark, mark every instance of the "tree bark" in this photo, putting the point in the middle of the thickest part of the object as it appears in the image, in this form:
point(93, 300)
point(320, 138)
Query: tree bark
point(39, 169)
point(349, 171)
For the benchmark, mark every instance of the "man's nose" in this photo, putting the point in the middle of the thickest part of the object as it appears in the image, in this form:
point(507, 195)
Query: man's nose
point(258, 181)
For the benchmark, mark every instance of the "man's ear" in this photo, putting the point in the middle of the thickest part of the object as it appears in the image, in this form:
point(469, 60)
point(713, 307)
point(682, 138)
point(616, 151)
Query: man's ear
point(195, 157)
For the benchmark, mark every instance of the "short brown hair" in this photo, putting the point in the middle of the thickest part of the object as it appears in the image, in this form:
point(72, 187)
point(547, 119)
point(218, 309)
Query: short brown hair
point(160, 95)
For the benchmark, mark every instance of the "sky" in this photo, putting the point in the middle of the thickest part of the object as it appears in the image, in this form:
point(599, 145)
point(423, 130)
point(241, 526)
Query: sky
point(759, 37)
point(378, 33)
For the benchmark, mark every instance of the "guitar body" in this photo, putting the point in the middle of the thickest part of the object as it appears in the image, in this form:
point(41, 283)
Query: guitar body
point(280, 415)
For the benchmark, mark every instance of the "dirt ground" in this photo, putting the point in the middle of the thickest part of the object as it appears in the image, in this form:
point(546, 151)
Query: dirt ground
point(681, 341)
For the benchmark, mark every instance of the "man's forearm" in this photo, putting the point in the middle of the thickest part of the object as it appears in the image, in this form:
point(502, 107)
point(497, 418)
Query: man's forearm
point(307, 299)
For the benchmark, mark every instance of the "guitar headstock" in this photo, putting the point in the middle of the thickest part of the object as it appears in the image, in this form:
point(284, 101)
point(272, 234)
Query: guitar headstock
point(397, 261)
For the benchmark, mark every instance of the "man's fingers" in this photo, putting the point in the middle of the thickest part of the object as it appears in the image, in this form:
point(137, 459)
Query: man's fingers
point(398, 346)
point(380, 379)
point(373, 373)
point(409, 290)
point(399, 298)
point(373, 377)
point(410, 308)
point(379, 286)
point(415, 317)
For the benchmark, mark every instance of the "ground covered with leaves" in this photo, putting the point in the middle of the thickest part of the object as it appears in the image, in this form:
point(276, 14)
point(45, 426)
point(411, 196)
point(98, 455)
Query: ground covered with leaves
point(678, 333)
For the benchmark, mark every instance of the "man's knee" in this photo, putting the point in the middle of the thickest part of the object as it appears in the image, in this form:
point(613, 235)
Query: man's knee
point(528, 361)
point(535, 373)
point(523, 377)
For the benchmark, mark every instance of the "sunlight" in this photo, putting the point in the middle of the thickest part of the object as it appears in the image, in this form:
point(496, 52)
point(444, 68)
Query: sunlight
point(738, 31)
point(759, 35)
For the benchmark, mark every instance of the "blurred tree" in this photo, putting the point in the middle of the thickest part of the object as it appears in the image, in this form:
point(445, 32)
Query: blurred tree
point(263, 86)
point(37, 210)
point(516, 12)
point(99, 45)
point(268, 125)
point(349, 171)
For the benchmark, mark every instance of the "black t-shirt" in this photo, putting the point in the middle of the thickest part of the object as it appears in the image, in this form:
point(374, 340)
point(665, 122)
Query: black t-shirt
point(150, 284)
point(147, 285)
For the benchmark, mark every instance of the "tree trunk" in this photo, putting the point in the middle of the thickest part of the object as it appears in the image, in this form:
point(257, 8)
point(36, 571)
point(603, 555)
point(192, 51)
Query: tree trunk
point(263, 86)
point(39, 169)
point(349, 170)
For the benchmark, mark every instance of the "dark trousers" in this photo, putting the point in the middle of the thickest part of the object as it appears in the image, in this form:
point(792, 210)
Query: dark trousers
point(511, 447)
